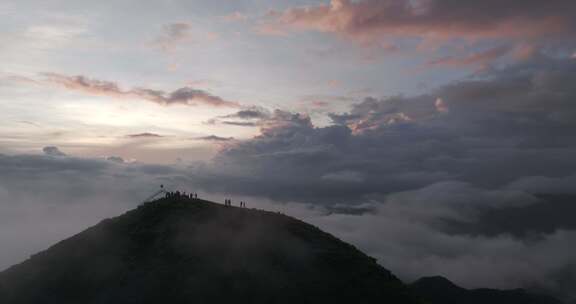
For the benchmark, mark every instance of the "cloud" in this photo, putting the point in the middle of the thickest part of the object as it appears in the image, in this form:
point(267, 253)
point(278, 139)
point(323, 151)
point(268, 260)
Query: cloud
point(344, 176)
point(235, 17)
point(252, 113)
point(144, 135)
point(239, 123)
point(412, 249)
point(184, 96)
point(53, 151)
point(546, 184)
point(489, 130)
point(247, 117)
point(477, 59)
point(450, 200)
point(173, 34)
point(85, 84)
point(424, 25)
point(215, 138)
point(434, 19)
point(116, 159)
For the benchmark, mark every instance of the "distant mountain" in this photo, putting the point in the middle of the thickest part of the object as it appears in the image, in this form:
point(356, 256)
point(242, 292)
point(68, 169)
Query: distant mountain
point(439, 290)
point(177, 250)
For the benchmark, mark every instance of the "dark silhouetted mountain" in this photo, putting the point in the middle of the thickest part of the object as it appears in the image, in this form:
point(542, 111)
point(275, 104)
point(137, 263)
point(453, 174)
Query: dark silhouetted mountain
point(439, 290)
point(193, 251)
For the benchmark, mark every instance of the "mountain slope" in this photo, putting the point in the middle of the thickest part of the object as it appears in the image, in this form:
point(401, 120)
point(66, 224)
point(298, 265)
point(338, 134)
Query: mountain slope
point(179, 250)
point(439, 290)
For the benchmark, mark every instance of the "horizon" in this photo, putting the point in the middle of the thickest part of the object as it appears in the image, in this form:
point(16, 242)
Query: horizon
point(408, 128)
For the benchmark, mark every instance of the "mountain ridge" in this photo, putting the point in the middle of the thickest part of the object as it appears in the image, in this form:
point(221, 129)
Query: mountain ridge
point(181, 250)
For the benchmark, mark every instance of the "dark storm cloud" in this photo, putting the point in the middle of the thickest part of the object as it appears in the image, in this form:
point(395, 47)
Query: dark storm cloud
point(184, 96)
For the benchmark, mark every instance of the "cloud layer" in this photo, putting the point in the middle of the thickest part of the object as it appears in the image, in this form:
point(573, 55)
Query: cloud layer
point(404, 230)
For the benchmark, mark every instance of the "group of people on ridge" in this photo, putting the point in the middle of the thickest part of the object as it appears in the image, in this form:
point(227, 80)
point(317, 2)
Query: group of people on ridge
point(228, 202)
point(181, 194)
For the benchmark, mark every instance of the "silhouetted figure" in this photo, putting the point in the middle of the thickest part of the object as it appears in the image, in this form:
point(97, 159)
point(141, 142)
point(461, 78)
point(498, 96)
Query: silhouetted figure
point(195, 195)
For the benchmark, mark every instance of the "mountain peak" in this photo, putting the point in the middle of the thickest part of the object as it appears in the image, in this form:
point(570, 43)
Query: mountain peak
point(177, 250)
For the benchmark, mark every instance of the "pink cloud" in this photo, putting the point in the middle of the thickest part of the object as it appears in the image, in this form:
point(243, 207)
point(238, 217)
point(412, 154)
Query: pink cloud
point(430, 19)
point(185, 95)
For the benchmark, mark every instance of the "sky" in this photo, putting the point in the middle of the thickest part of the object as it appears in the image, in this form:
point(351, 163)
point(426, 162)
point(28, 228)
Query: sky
point(401, 126)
